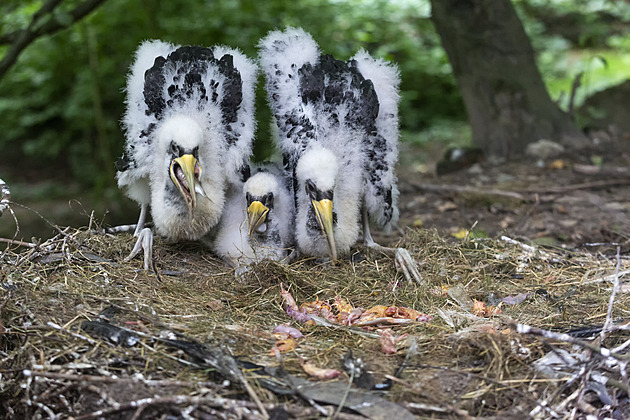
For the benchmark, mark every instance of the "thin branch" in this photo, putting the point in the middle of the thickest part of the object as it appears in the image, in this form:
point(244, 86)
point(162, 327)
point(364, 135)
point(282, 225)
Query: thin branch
point(527, 194)
point(24, 37)
point(216, 402)
point(111, 379)
point(613, 294)
point(602, 351)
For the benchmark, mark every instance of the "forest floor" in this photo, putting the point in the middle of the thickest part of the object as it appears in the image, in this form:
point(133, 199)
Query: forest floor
point(501, 248)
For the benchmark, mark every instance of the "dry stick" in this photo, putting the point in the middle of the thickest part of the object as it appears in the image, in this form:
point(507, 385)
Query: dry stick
point(608, 323)
point(612, 277)
point(344, 398)
point(470, 190)
point(71, 333)
point(527, 194)
point(218, 402)
point(18, 243)
point(111, 379)
point(613, 294)
point(602, 351)
point(582, 186)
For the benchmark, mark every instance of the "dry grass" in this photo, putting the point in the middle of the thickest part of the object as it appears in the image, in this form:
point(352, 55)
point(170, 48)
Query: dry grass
point(464, 366)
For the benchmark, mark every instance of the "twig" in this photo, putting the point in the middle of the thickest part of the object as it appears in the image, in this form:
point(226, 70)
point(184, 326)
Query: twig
point(470, 190)
point(72, 333)
point(611, 301)
point(113, 379)
point(344, 398)
point(217, 402)
point(18, 243)
point(602, 351)
point(24, 37)
point(611, 277)
point(527, 194)
point(582, 186)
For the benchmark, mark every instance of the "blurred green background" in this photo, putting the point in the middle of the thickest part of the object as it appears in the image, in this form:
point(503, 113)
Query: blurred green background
point(61, 103)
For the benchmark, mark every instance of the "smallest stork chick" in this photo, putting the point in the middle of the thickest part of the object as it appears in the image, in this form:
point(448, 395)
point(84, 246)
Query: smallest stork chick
point(265, 231)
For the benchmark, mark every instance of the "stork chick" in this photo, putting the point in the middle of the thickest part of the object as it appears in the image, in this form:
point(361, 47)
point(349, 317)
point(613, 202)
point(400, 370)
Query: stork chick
point(257, 222)
point(338, 132)
point(189, 128)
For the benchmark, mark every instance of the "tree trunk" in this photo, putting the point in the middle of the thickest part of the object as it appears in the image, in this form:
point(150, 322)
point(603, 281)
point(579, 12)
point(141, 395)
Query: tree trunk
point(493, 61)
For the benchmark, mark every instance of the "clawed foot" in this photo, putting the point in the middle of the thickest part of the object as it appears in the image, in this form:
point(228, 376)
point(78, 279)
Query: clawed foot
point(404, 262)
point(144, 242)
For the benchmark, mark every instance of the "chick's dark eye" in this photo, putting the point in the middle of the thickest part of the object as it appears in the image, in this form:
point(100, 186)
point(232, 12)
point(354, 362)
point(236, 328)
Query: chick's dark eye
point(174, 149)
point(268, 200)
point(248, 197)
point(311, 190)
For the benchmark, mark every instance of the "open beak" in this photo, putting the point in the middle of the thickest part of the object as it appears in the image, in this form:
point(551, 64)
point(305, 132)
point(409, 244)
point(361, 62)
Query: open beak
point(256, 216)
point(185, 172)
point(324, 213)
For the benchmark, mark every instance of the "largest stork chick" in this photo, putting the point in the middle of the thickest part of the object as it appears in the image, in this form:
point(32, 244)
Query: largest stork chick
point(189, 127)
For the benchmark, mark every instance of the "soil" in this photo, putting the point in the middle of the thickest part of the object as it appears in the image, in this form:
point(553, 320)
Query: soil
point(577, 199)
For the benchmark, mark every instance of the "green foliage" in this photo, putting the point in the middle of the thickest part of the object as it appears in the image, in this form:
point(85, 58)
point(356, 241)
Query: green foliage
point(578, 36)
point(62, 100)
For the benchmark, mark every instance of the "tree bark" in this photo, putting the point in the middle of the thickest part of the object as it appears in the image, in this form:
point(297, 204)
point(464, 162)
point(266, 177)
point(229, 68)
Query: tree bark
point(493, 61)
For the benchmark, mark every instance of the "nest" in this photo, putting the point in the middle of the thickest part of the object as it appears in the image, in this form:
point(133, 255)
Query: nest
point(85, 334)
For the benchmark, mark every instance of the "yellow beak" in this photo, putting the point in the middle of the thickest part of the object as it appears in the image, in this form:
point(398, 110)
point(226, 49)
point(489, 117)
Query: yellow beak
point(256, 215)
point(324, 213)
point(185, 180)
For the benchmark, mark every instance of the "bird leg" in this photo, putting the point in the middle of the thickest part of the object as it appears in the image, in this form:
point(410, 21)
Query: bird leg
point(144, 241)
point(402, 259)
point(141, 219)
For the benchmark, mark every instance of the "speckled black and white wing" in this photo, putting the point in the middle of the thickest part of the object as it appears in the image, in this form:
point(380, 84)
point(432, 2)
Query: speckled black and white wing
point(133, 167)
point(282, 55)
point(241, 129)
point(381, 195)
point(215, 86)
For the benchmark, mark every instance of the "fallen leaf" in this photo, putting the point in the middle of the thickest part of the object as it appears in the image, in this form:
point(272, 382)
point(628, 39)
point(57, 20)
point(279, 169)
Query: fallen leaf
point(557, 164)
point(319, 373)
point(460, 234)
